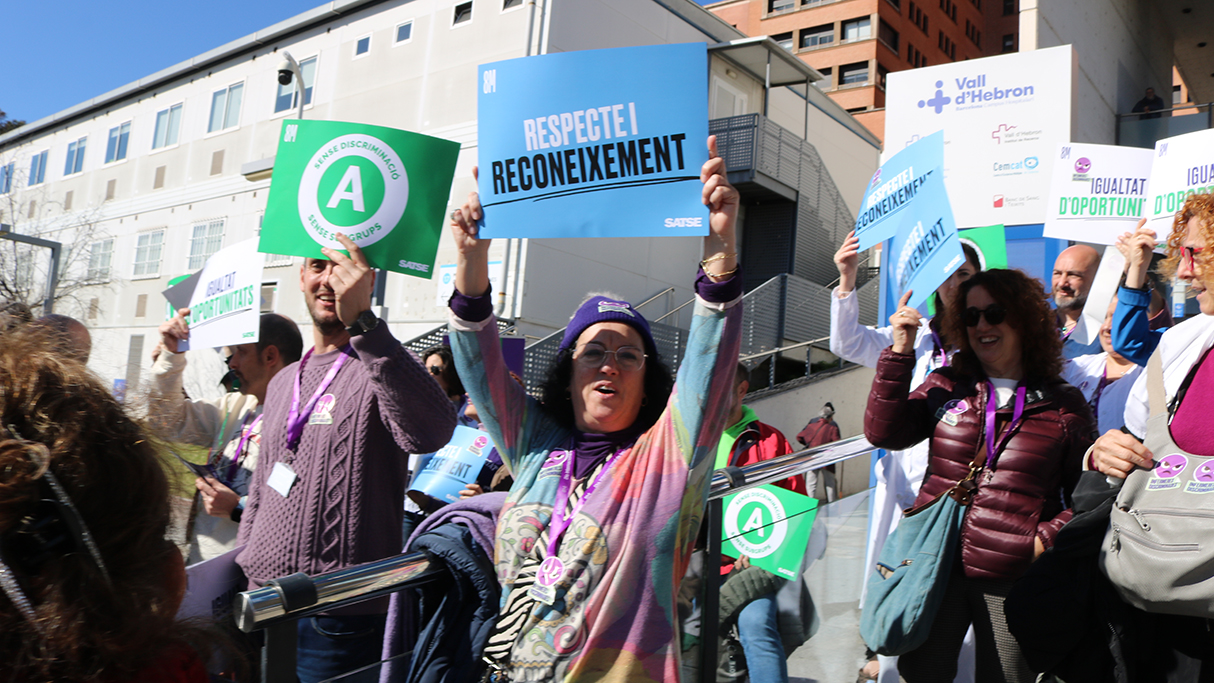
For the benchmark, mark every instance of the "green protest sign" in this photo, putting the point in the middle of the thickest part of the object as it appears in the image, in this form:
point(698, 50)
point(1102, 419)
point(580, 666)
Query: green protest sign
point(991, 244)
point(771, 526)
point(386, 189)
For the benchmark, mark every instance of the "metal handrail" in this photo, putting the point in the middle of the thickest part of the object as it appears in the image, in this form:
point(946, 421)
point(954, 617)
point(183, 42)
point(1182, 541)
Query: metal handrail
point(257, 609)
point(1191, 105)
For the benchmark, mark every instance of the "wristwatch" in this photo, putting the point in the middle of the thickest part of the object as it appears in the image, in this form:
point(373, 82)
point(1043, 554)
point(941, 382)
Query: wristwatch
point(365, 322)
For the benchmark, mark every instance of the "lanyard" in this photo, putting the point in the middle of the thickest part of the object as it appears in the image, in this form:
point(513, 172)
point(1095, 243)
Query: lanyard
point(1104, 382)
point(239, 453)
point(1017, 414)
point(560, 522)
point(296, 418)
point(939, 347)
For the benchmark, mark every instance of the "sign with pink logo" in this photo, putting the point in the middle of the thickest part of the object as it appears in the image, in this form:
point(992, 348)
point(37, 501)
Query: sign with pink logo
point(1097, 192)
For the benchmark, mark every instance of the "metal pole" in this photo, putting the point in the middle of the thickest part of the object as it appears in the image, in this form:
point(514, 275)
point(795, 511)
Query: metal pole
point(278, 655)
point(709, 625)
point(52, 283)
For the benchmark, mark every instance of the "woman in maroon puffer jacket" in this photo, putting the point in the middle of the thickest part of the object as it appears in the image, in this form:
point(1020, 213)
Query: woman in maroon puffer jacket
point(1009, 349)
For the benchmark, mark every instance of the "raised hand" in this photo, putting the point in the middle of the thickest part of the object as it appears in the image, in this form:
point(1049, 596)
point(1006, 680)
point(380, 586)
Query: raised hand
point(847, 260)
point(722, 200)
point(352, 280)
point(905, 322)
point(175, 330)
point(1137, 247)
point(472, 266)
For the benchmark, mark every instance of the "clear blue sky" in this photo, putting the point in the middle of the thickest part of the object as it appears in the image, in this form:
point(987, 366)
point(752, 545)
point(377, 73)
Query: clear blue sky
point(61, 53)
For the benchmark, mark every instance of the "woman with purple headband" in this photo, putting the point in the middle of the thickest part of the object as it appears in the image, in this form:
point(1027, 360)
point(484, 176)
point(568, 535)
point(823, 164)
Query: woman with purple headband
point(611, 466)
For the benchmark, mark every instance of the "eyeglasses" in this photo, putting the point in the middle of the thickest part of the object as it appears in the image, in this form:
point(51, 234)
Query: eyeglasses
point(1189, 255)
point(435, 370)
point(593, 355)
point(994, 315)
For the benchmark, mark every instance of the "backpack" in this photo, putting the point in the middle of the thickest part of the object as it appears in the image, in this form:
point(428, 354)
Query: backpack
point(1159, 549)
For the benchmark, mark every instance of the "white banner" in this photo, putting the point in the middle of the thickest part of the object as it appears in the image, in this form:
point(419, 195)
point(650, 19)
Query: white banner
point(224, 298)
point(446, 282)
point(1183, 165)
point(1097, 192)
point(1003, 118)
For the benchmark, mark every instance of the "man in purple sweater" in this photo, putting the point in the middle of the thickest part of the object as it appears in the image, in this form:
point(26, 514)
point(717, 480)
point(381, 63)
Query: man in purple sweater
point(329, 487)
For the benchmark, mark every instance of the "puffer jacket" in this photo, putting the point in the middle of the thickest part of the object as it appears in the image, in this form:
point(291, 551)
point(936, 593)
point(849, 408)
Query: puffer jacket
point(1026, 496)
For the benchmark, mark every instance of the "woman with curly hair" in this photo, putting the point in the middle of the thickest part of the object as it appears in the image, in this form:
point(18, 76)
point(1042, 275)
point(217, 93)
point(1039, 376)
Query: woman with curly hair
point(1175, 643)
point(1002, 397)
point(90, 584)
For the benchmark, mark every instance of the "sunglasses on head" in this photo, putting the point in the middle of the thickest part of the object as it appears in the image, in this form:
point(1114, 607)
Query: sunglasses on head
point(994, 315)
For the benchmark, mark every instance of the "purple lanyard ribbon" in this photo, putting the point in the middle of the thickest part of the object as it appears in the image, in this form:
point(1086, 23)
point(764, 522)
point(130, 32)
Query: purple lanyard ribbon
point(245, 433)
point(939, 347)
point(296, 419)
point(560, 522)
point(1017, 414)
point(1104, 383)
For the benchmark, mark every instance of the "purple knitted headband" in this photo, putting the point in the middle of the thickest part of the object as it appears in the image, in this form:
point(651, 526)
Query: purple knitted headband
point(600, 309)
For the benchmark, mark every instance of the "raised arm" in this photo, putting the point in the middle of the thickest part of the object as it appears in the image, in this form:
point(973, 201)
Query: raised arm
point(1133, 338)
point(894, 418)
point(170, 414)
point(411, 403)
point(513, 418)
point(850, 340)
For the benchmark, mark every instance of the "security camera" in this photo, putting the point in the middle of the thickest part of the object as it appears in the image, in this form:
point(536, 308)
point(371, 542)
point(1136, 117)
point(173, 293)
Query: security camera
point(285, 74)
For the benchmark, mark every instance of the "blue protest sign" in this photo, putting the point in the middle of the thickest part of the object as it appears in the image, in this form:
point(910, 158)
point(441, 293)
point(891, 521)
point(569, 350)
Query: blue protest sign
point(569, 147)
point(926, 249)
point(443, 474)
point(896, 188)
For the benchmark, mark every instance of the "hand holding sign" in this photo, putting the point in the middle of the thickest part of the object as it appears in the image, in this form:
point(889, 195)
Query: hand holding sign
point(722, 201)
point(1137, 247)
point(905, 322)
point(351, 279)
point(472, 268)
point(847, 260)
point(175, 330)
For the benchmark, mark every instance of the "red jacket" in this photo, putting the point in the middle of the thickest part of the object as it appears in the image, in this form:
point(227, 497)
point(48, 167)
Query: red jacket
point(757, 443)
point(819, 431)
point(1028, 494)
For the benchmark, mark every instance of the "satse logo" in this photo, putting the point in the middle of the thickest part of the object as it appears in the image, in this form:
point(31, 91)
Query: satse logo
point(693, 222)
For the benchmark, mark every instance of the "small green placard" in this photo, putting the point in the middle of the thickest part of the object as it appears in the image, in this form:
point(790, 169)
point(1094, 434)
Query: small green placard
point(384, 188)
point(771, 526)
point(991, 244)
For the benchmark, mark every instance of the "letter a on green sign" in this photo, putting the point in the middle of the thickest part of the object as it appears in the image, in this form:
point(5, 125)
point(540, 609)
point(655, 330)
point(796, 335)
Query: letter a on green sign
point(384, 188)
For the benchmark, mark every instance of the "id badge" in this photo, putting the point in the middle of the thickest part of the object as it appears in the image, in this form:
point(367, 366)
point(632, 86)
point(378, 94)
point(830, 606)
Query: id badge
point(282, 478)
point(550, 572)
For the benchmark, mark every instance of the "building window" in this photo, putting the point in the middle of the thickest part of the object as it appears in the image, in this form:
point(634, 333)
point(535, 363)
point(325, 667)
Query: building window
point(825, 83)
point(101, 253)
point(915, 57)
point(780, 5)
point(6, 177)
point(134, 364)
point(857, 29)
point(148, 248)
point(75, 157)
point(115, 148)
point(511, 4)
point(784, 40)
point(463, 14)
point(946, 45)
point(972, 32)
point(404, 32)
point(363, 46)
point(206, 240)
point(896, 3)
point(882, 72)
point(1177, 98)
point(286, 98)
point(857, 110)
point(269, 291)
point(917, 17)
point(1009, 42)
point(817, 36)
point(853, 73)
point(168, 125)
point(1009, 7)
point(950, 10)
point(888, 35)
point(37, 168)
point(225, 108)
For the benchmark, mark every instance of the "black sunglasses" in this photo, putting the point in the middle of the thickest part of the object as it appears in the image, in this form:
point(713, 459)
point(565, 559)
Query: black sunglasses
point(994, 315)
point(435, 370)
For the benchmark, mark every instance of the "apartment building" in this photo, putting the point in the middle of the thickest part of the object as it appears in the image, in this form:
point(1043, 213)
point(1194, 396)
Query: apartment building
point(855, 43)
point(157, 175)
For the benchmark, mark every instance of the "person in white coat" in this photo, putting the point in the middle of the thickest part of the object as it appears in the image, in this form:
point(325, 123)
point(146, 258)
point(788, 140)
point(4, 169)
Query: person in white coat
point(1104, 378)
point(899, 473)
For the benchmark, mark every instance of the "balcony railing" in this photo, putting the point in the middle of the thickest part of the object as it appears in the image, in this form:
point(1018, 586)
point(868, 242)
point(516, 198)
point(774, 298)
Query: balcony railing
point(1144, 130)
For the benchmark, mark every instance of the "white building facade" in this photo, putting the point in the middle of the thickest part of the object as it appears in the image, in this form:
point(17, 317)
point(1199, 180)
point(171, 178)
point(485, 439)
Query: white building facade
point(152, 178)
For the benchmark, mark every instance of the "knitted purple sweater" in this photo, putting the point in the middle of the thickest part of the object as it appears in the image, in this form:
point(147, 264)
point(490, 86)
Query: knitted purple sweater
point(346, 506)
